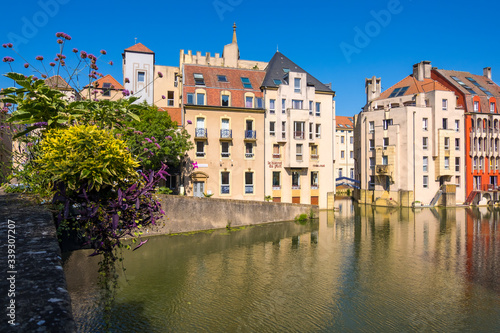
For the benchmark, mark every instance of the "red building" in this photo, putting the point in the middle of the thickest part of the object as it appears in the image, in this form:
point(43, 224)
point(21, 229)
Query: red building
point(477, 95)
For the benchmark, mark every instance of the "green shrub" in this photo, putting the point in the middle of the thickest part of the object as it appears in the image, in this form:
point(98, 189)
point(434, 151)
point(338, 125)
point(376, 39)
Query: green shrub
point(164, 190)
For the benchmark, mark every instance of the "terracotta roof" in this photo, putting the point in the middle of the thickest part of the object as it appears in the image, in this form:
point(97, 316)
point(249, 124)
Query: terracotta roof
point(139, 47)
point(233, 76)
point(346, 122)
point(414, 87)
point(57, 82)
point(107, 79)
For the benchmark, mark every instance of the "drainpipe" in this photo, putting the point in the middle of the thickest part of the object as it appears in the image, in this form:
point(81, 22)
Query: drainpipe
point(414, 189)
point(265, 143)
point(366, 159)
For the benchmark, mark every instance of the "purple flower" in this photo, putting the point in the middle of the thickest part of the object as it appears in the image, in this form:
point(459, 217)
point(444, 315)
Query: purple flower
point(44, 76)
point(160, 74)
point(169, 138)
point(4, 45)
point(59, 34)
point(40, 124)
point(127, 80)
point(52, 64)
point(56, 59)
point(5, 110)
point(8, 59)
point(154, 139)
point(67, 37)
point(195, 165)
point(60, 41)
point(132, 92)
point(157, 146)
point(103, 52)
point(111, 63)
point(75, 50)
point(148, 140)
point(163, 97)
point(39, 58)
point(35, 78)
point(9, 45)
point(26, 65)
point(146, 149)
point(83, 54)
point(125, 92)
point(189, 122)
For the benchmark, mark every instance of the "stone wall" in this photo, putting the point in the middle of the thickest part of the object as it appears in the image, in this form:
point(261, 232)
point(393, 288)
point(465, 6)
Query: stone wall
point(185, 214)
point(33, 289)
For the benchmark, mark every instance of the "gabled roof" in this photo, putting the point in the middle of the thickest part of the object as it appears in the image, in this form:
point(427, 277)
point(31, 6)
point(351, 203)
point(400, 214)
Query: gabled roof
point(107, 79)
point(57, 82)
point(344, 122)
point(481, 80)
point(139, 47)
point(274, 71)
point(233, 76)
point(414, 87)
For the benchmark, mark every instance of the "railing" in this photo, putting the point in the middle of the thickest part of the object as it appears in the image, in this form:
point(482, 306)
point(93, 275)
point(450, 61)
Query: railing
point(200, 132)
point(490, 187)
point(226, 133)
point(248, 155)
point(276, 187)
point(225, 154)
point(200, 153)
point(298, 135)
point(250, 134)
point(248, 189)
point(314, 156)
point(224, 189)
point(276, 155)
point(295, 187)
point(314, 187)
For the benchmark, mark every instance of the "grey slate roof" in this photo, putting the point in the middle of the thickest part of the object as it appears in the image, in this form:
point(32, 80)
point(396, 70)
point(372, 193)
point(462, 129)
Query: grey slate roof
point(274, 70)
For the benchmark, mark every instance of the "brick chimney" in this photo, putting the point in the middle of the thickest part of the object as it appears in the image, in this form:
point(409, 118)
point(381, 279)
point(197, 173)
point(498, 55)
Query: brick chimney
point(487, 72)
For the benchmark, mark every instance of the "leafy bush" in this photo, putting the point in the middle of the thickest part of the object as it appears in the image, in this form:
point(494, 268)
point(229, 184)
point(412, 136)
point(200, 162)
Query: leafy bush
point(164, 190)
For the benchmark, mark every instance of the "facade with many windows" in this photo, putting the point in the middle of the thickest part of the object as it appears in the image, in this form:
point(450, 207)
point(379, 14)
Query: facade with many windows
point(344, 147)
point(299, 123)
point(409, 142)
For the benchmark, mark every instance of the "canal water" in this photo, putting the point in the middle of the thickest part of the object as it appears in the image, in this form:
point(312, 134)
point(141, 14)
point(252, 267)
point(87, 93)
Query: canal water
point(359, 269)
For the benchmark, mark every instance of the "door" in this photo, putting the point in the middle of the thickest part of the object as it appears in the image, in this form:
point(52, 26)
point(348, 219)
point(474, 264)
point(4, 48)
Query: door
point(198, 189)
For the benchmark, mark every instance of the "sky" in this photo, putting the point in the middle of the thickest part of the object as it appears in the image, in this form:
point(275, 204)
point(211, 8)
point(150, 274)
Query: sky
point(338, 42)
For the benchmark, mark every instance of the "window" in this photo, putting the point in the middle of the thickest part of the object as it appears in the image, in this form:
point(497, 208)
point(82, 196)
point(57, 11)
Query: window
point(297, 104)
point(106, 86)
point(425, 162)
point(425, 140)
point(351, 173)
point(457, 164)
point(225, 132)
point(447, 162)
point(296, 85)
point(276, 180)
point(342, 139)
point(372, 144)
point(225, 100)
point(272, 106)
point(425, 181)
point(476, 106)
point(311, 131)
point(283, 105)
point(272, 126)
point(200, 99)
point(224, 182)
point(445, 104)
point(200, 130)
point(225, 149)
point(457, 144)
point(475, 163)
point(277, 82)
point(371, 126)
point(199, 80)
point(387, 123)
point(425, 122)
point(492, 107)
point(445, 123)
point(351, 154)
point(314, 152)
point(457, 125)
point(351, 140)
point(457, 181)
point(248, 182)
point(190, 98)
point(246, 83)
point(385, 160)
point(372, 162)
point(200, 148)
point(296, 180)
point(298, 152)
point(340, 172)
point(259, 102)
point(276, 151)
point(314, 180)
point(342, 154)
point(298, 130)
point(446, 143)
point(249, 102)
point(141, 76)
point(386, 143)
point(170, 99)
point(248, 149)
point(318, 109)
point(221, 78)
point(311, 107)
point(371, 182)
point(283, 129)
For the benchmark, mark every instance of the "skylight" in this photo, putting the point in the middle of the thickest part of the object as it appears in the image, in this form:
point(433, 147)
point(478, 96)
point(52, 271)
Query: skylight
point(479, 86)
point(199, 80)
point(398, 92)
point(340, 125)
point(286, 70)
point(246, 83)
point(222, 78)
point(466, 87)
point(277, 82)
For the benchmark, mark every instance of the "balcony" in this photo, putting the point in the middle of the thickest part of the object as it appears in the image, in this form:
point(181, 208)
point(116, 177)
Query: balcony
point(250, 135)
point(200, 133)
point(226, 134)
point(382, 169)
point(225, 155)
point(299, 135)
point(295, 187)
point(248, 155)
point(276, 187)
point(314, 187)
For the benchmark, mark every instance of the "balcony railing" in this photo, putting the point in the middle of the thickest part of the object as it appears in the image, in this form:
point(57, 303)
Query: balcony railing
point(200, 133)
point(295, 187)
point(250, 135)
point(225, 154)
point(298, 135)
point(226, 134)
point(248, 189)
point(276, 187)
point(314, 156)
point(276, 155)
point(200, 153)
point(224, 189)
point(382, 169)
point(248, 155)
point(314, 187)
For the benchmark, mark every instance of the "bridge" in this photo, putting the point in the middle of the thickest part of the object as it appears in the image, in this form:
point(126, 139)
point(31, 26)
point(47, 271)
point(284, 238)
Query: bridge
point(347, 182)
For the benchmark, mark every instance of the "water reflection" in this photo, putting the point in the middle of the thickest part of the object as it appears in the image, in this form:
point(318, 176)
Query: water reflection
point(359, 269)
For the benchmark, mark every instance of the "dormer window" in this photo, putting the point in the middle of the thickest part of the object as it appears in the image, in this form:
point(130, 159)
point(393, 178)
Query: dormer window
point(221, 78)
point(277, 82)
point(199, 80)
point(106, 86)
point(246, 83)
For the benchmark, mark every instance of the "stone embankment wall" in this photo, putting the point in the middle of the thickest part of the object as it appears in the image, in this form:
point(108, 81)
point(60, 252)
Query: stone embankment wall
point(185, 214)
point(32, 285)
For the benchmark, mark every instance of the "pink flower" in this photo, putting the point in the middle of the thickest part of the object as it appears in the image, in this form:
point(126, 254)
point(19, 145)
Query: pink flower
point(83, 54)
point(44, 76)
point(163, 97)
point(103, 52)
point(8, 59)
point(169, 138)
point(127, 80)
point(59, 34)
point(157, 146)
point(52, 64)
point(189, 122)
point(60, 41)
point(26, 65)
point(125, 92)
point(160, 74)
point(4, 45)
point(195, 165)
point(75, 50)
point(39, 58)
point(111, 63)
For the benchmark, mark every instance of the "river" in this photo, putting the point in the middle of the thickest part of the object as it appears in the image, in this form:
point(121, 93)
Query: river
point(359, 269)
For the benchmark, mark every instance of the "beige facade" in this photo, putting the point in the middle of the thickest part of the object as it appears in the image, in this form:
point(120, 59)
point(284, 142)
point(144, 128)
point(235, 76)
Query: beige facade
point(344, 147)
point(409, 143)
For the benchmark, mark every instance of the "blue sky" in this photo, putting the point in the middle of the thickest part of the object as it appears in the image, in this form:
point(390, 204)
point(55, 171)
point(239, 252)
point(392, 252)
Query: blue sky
point(341, 42)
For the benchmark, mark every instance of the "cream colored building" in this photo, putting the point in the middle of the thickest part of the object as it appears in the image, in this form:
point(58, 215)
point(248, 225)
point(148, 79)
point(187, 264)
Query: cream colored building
point(105, 88)
point(344, 147)
point(409, 143)
point(299, 127)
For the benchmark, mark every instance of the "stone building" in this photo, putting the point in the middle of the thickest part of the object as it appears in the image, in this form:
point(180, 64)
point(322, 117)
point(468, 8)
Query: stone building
point(344, 147)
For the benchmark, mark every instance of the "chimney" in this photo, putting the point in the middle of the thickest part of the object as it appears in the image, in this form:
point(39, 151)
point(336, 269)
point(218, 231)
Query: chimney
point(487, 72)
point(422, 70)
point(372, 88)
